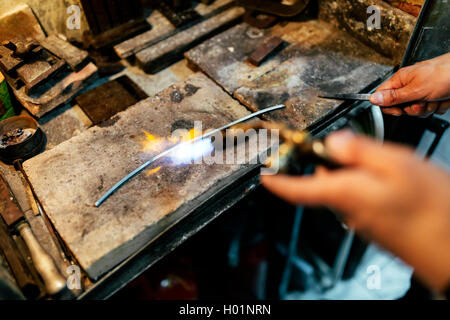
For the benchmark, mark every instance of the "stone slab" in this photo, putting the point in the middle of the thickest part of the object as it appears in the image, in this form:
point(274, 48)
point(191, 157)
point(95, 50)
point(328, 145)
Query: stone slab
point(319, 57)
point(71, 177)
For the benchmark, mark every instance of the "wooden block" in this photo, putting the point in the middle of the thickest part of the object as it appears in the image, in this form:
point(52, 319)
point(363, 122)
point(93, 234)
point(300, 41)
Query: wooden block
point(20, 24)
point(160, 27)
point(165, 52)
point(10, 210)
point(117, 34)
point(104, 101)
point(8, 63)
point(35, 73)
point(207, 8)
point(32, 71)
point(56, 91)
point(75, 58)
point(112, 21)
point(224, 57)
point(71, 177)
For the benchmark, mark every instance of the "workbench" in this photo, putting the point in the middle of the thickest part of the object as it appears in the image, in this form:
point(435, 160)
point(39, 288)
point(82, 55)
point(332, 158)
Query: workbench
point(156, 212)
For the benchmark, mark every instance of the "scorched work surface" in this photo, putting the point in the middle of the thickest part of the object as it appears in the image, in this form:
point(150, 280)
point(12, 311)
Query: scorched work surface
point(71, 177)
point(316, 58)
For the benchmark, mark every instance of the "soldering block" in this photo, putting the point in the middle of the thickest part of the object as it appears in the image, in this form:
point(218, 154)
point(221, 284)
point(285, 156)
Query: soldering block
point(70, 178)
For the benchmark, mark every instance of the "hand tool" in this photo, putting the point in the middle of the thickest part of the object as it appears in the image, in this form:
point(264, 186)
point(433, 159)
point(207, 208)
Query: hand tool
point(347, 96)
point(363, 97)
point(119, 184)
point(17, 264)
point(39, 211)
point(44, 264)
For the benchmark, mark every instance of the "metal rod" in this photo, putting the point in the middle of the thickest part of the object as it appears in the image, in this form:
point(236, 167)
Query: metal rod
point(366, 97)
point(119, 184)
point(347, 96)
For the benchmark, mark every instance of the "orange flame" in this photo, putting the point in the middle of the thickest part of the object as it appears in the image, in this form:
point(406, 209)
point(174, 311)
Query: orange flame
point(152, 171)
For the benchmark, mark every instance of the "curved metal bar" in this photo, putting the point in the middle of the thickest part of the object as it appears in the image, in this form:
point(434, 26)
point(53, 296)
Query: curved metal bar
point(119, 184)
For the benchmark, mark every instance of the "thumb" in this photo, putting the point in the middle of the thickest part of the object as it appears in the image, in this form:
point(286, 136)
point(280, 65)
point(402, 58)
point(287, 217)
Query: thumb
point(393, 97)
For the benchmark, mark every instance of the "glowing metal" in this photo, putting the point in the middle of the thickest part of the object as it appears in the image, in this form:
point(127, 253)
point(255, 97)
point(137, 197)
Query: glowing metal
point(119, 184)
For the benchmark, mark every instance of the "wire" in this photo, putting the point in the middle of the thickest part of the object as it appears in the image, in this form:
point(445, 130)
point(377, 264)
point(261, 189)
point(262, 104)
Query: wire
point(119, 184)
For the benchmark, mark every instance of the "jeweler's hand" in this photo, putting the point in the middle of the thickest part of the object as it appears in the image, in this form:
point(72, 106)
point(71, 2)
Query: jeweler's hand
point(414, 85)
point(385, 193)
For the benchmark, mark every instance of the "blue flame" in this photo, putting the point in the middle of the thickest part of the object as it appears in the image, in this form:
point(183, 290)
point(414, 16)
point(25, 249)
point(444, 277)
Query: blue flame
point(188, 152)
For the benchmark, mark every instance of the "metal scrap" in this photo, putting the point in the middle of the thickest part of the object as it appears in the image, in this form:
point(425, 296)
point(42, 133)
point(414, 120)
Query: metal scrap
point(15, 136)
point(267, 48)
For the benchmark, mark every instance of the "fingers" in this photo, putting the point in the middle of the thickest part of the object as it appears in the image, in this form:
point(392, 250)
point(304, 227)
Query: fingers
point(351, 150)
point(422, 109)
point(430, 109)
point(392, 111)
point(330, 190)
point(343, 190)
point(396, 90)
point(305, 190)
point(417, 109)
point(443, 107)
point(393, 97)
